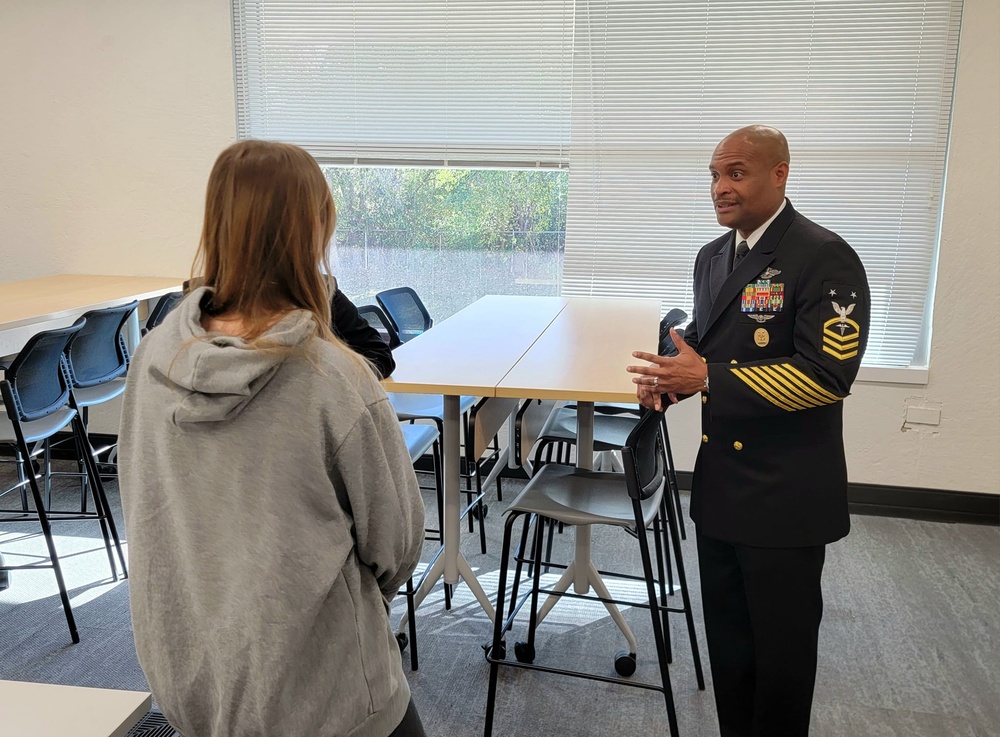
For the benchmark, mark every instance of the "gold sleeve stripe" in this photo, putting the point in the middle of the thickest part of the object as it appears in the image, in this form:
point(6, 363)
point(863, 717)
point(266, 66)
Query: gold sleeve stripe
point(841, 356)
point(765, 376)
point(840, 346)
point(811, 384)
point(804, 389)
point(804, 397)
point(746, 378)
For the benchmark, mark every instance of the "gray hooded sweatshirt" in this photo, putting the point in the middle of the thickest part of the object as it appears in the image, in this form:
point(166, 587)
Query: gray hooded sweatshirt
point(272, 512)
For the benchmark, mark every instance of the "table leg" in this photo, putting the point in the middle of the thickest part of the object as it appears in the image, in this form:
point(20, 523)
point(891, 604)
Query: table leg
point(584, 459)
point(449, 562)
point(452, 496)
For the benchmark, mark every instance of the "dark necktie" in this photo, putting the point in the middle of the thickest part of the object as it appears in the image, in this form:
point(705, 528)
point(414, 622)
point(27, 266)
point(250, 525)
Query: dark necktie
point(742, 249)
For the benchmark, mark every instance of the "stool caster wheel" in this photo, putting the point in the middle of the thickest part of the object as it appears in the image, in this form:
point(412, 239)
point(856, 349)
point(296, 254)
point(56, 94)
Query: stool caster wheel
point(402, 640)
point(524, 652)
point(501, 651)
point(625, 663)
point(476, 514)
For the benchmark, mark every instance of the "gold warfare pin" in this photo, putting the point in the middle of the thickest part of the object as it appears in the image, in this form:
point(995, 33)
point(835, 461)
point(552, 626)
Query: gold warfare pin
point(761, 337)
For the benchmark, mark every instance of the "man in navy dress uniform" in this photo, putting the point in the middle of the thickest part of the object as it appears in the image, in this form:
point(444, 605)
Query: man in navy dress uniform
point(781, 314)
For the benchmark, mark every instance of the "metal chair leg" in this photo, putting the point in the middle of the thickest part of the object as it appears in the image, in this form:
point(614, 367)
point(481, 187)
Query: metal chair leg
point(43, 520)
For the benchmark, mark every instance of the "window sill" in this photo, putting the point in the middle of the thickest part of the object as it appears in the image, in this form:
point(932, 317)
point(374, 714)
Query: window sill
point(881, 375)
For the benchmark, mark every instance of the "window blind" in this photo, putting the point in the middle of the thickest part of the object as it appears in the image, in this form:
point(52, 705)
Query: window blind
point(861, 89)
point(461, 83)
point(633, 95)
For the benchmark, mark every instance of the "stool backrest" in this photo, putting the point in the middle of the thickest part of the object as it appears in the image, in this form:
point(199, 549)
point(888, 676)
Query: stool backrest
point(99, 353)
point(672, 319)
point(643, 456)
point(374, 316)
point(406, 311)
point(163, 307)
point(36, 384)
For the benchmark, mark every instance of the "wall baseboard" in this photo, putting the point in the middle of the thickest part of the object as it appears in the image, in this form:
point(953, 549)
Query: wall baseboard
point(935, 505)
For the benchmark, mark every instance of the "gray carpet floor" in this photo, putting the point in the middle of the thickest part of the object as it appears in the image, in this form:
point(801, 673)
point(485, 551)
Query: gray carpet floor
point(910, 643)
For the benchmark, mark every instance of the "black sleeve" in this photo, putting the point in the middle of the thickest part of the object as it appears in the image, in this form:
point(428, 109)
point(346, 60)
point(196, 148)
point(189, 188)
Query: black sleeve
point(359, 335)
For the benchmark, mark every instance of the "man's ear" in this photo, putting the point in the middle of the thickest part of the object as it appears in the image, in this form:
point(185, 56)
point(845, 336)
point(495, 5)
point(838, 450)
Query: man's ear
point(779, 174)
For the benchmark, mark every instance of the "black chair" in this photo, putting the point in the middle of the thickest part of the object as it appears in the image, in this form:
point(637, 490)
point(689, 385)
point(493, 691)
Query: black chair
point(98, 356)
point(613, 423)
point(377, 319)
point(419, 440)
point(632, 500)
point(413, 407)
point(97, 360)
point(38, 404)
point(672, 319)
point(163, 307)
point(407, 312)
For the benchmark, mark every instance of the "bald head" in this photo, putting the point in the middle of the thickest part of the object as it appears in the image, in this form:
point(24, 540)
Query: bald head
point(769, 144)
point(749, 169)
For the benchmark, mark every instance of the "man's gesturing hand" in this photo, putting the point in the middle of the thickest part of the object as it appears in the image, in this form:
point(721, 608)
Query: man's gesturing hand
point(681, 374)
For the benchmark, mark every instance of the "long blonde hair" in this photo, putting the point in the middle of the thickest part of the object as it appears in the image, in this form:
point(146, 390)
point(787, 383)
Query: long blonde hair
point(269, 217)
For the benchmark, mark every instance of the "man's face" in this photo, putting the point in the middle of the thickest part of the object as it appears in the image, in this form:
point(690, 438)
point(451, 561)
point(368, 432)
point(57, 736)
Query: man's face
point(747, 185)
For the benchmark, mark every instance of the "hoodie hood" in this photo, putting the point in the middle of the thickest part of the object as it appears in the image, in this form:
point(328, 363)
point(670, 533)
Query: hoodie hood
point(214, 377)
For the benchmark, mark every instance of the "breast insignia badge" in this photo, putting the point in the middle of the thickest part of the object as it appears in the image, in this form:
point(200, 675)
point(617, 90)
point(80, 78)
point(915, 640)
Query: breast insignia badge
point(769, 273)
point(761, 337)
point(759, 317)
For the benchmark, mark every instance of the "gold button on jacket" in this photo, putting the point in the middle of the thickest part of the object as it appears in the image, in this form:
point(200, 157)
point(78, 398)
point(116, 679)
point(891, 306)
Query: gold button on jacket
point(738, 445)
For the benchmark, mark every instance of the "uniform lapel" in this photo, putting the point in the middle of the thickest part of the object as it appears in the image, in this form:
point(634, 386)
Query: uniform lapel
point(755, 262)
point(719, 267)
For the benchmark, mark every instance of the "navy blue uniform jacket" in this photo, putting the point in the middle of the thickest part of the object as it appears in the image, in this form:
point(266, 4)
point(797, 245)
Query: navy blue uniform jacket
point(783, 336)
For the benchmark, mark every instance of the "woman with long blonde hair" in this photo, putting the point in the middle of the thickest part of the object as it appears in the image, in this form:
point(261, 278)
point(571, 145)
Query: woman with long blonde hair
point(270, 502)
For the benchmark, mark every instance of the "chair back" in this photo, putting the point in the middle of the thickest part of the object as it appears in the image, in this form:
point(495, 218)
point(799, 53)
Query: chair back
point(671, 320)
point(36, 385)
point(163, 307)
point(98, 353)
point(643, 456)
point(406, 311)
point(373, 315)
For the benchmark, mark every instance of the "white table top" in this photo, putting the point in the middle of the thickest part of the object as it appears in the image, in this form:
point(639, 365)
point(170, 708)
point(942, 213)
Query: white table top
point(540, 347)
point(46, 710)
point(471, 351)
point(63, 295)
point(583, 354)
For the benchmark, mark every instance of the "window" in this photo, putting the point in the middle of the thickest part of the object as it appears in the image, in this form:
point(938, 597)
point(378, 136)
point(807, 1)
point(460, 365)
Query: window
point(861, 89)
point(454, 235)
point(632, 97)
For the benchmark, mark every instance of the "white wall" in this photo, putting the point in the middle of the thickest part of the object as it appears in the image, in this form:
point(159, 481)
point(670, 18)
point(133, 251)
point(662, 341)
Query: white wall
point(113, 111)
point(112, 114)
point(963, 452)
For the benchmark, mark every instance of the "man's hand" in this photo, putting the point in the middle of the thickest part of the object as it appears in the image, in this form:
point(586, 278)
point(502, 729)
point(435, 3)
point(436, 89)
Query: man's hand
point(681, 374)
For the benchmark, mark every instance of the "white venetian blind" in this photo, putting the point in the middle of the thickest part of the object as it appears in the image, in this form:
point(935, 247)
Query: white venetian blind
point(862, 89)
point(410, 82)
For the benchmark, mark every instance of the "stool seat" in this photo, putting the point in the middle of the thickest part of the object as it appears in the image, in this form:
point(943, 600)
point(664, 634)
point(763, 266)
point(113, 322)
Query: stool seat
point(420, 406)
point(419, 439)
point(88, 396)
point(36, 430)
point(576, 496)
